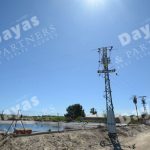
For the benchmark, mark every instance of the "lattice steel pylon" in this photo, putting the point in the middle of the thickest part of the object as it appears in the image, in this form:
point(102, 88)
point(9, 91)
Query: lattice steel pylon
point(104, 54)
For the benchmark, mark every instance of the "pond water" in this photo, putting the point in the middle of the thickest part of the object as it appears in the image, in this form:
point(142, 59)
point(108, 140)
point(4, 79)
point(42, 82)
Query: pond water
point(36, 127)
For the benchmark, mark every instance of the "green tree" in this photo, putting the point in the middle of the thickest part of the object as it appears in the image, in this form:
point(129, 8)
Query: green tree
point(93, 111)
point(2, 115)
point(75, 111)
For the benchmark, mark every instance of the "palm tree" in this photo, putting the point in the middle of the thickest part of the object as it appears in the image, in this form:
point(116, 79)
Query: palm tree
point(93, 111)
point(135, 103)
point(144, 115)
point(144, 104)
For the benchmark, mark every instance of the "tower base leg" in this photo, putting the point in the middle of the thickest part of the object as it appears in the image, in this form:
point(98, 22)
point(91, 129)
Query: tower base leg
point(114, 140)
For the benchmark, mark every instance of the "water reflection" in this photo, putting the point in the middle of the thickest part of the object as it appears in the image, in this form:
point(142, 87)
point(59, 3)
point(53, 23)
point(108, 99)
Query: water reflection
point(36, 127)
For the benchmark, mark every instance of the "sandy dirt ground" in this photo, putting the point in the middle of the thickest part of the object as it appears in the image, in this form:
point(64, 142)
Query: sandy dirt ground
point(80, 140)
point(142, 141)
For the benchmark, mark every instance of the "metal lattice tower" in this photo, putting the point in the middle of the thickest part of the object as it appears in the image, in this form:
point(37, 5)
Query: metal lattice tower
point(104, 54)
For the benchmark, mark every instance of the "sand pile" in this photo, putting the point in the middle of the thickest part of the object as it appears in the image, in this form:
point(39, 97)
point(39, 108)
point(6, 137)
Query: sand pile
point(79, 140)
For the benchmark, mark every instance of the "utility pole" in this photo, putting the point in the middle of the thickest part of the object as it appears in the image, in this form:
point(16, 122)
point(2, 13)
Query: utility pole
point(104, 54)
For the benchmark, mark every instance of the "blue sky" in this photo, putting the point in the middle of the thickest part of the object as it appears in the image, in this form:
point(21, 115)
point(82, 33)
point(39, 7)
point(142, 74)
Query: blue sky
point(63, 70)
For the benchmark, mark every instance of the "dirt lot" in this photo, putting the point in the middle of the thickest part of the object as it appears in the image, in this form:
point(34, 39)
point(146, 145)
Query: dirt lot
point(80, 140)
